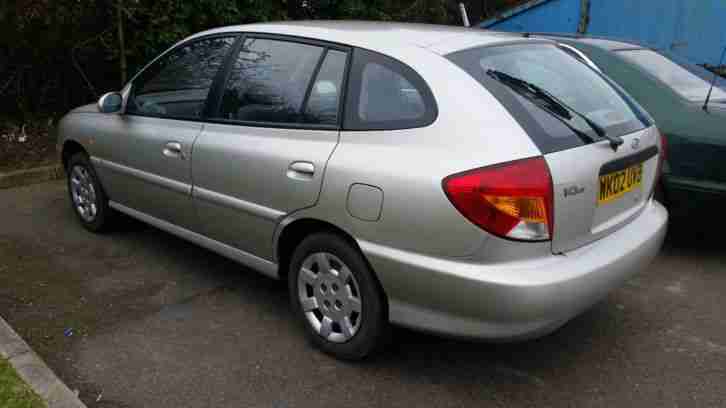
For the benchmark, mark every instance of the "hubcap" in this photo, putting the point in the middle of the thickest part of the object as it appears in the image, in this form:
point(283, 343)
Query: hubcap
point(83, 193)
point(330, 297)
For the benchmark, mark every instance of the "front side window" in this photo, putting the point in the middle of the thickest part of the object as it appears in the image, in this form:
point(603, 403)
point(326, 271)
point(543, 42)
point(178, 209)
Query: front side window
point(177, 85)
point(692, 84)
point(269, 80)
point(562, 101)
point(385, 94)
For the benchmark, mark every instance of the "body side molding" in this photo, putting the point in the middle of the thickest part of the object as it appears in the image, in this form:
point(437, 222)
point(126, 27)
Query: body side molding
point(262, 265)
point(237, 204)
point(163, 182)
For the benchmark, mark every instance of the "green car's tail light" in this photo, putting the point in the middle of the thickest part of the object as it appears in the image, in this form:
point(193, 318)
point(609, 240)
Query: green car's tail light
point(662, 155)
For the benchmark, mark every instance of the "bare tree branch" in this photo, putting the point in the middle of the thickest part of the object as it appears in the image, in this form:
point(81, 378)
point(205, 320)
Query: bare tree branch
point(77, 66)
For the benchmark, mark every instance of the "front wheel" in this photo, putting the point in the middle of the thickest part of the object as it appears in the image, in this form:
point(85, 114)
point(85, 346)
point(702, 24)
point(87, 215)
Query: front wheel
point(88, 199)
point(335, 294)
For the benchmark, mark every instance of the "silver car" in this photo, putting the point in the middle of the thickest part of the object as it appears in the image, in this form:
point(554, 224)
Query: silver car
point(449, 180)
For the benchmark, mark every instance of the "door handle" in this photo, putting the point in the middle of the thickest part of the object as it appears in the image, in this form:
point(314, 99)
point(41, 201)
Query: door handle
point(301, 170)
point(173, 150)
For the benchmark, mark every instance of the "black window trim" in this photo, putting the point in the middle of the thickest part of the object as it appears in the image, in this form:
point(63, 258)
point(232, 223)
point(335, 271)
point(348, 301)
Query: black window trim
point(215, 95)
point(361, 57)
point(214, 98)
point(237, 40)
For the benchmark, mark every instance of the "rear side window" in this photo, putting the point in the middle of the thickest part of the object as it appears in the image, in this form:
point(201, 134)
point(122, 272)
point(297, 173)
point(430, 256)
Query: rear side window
point(560, 75)
point(326, 92)
point(177, 84)
point(385, 94)
point(269, 81)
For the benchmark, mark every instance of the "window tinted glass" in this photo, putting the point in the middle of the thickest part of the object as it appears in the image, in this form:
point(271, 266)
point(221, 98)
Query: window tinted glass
point(177, 85)
point(385, 94)
point(686, 83)
point(324, 101)
point(561, 75)
point(268, 81)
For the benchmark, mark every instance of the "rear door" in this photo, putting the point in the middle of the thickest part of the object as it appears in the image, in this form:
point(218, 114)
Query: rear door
point(275, 125)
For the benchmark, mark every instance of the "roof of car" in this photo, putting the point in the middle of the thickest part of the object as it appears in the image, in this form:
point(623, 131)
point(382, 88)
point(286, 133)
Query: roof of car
point(372, 34)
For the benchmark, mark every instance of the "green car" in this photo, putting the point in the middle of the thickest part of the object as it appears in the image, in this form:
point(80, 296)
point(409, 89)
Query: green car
point(674, 92)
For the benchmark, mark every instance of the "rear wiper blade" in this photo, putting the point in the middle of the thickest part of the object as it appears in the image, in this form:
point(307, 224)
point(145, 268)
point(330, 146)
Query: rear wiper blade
point(555, 106)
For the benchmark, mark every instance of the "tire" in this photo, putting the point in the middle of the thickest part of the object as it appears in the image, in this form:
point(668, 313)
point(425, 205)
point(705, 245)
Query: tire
point(88, 199)
point(353, 330)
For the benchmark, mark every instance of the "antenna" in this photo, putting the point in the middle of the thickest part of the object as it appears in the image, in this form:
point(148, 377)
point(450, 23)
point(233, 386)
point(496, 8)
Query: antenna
point(464, 16)
point(713, 83)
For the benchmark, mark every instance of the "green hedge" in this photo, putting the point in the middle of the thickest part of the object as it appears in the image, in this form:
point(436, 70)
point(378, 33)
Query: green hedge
point(56, 54)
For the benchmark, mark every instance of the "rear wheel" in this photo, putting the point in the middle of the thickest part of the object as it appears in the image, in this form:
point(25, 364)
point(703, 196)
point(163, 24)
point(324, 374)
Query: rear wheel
point(336, 296)
point(88, 199)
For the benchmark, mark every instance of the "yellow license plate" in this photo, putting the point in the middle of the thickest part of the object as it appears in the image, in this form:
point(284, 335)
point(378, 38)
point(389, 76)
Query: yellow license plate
point(615, 185)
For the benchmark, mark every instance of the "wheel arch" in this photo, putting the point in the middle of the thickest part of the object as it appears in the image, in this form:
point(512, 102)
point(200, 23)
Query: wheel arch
point(70, 148)
point(293, 232)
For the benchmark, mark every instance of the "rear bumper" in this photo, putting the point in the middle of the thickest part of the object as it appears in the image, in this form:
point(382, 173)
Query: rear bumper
point(513, 300)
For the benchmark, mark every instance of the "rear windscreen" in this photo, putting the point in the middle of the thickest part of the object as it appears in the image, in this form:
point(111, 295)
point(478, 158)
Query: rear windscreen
point(561, 76)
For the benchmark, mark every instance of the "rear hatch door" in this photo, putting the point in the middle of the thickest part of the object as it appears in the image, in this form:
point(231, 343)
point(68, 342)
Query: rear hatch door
point(598, 190)
point(600, 146)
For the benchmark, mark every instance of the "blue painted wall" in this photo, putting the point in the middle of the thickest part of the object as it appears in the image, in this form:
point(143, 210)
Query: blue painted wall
point(695, 29)
point(563, 14)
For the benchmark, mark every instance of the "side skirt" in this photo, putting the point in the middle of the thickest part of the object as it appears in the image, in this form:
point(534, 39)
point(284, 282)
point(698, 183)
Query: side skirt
point(263, 266)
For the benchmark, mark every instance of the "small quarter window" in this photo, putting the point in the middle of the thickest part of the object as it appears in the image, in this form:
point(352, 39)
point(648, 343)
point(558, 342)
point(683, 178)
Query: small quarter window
point(177, 85)
point(386, 94)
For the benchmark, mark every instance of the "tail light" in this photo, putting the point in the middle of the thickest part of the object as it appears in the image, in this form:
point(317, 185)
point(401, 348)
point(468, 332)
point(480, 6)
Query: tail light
point(512, 200)
point(662, 155)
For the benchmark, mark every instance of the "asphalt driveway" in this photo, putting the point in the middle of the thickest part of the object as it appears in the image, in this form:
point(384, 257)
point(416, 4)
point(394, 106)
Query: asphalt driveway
point(139, 318)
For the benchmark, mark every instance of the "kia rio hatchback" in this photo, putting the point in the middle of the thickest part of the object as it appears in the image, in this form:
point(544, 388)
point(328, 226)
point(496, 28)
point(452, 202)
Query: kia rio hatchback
point(444, 179)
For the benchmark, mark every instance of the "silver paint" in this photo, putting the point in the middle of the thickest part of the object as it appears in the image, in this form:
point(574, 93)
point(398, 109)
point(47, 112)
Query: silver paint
point(330, 297)
point(365, 202)
point(83, 193)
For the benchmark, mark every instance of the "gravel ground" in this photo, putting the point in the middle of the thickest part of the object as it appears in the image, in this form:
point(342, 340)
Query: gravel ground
point(139, 318)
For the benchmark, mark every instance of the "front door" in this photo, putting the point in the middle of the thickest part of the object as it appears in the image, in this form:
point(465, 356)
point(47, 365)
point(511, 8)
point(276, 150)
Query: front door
point(150, 171)
point(276, 125)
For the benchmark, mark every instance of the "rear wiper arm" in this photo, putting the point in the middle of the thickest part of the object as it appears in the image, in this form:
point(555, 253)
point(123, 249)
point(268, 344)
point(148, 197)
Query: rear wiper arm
point(560, 108)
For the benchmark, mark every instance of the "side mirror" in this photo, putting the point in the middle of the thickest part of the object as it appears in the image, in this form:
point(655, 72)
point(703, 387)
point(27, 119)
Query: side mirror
point(111, 102)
